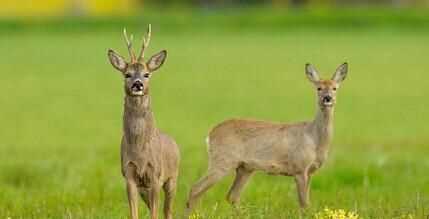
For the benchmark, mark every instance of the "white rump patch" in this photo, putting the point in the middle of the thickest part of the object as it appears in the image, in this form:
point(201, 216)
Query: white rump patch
point(208, 140)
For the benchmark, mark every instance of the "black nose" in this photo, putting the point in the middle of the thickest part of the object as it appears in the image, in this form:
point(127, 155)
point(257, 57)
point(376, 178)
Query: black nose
point(327, 99)
point(138, 85)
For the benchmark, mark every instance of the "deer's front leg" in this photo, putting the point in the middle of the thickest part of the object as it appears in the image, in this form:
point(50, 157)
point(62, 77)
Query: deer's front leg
point(132, 191)
point(170, 192)
point(307, 189)
point(132, 197)
point(154, 201)
point(303, 186)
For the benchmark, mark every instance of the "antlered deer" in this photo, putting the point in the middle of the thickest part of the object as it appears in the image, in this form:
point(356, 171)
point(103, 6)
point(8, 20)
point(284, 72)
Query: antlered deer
point(276, 148)
point(150, 158)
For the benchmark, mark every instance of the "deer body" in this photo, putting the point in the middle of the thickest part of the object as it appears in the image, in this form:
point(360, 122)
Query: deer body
point(150, 158)
point(276, 148)
point(153, 153)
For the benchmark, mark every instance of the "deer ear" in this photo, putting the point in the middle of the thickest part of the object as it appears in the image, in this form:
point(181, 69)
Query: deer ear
point(117, 60)
point(340, 73)
point(311, 73)
point(156, 60)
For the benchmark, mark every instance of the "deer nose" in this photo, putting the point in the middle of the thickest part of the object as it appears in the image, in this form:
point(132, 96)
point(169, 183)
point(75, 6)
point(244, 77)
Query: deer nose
point(138, 84)
point(327, 99)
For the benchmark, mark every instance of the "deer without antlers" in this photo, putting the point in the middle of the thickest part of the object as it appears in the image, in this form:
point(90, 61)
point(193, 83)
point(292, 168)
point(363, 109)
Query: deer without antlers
point(150, 158)
point(295, 150)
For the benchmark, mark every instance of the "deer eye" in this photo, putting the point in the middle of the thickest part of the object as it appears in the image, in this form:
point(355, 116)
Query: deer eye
point(146, 75)
point(127, 75)
point(334, 88)
point(319, 88)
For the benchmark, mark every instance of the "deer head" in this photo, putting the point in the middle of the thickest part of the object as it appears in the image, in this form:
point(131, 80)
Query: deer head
point(326, 89)
point(137, 72)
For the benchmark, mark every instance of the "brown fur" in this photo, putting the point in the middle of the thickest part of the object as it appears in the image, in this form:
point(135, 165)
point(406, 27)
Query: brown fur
point(276, 148)
point(149, 158)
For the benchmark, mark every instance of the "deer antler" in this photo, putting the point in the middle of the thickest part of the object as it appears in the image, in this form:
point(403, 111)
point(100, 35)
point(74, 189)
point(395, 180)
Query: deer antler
point(130, 46)
point(146, 41)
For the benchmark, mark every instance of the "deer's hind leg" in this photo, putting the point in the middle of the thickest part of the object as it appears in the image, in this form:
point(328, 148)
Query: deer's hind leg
point(213, 176)
point(241, 178)
point(169, 188)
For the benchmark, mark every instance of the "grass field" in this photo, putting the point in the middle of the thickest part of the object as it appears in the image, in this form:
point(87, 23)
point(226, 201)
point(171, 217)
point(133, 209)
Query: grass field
point(61, 110)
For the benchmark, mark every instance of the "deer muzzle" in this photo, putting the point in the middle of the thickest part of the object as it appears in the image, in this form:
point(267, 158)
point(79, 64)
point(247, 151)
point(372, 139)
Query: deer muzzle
point(137, 87)
point(327, 100)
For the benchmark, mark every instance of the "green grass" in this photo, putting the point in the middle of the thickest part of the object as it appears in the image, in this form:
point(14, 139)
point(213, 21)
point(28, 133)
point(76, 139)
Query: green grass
point(61, 110)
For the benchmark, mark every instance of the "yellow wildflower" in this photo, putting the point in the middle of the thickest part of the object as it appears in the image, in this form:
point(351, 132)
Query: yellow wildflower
point(336, 214)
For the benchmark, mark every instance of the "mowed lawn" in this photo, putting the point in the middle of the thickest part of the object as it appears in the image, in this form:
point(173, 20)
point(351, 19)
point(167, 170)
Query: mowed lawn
point(61, 117)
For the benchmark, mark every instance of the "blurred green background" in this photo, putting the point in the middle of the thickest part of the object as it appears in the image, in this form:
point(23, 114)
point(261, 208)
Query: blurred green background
point(61, 101)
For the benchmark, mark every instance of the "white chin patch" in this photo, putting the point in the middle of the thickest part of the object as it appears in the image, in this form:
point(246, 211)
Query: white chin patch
point(138, 93)
point(328, 104)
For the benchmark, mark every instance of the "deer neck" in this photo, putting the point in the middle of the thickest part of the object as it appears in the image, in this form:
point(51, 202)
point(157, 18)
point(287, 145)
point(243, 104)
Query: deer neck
point(322, 128)
point(138, 124)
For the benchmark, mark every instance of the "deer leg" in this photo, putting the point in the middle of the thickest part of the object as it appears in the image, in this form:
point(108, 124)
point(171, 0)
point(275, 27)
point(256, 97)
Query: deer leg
point(170, 192)
point(307, 189)
point(132, 192)
point(241, 177)
point(132, 198)
point(302, 185)
point(154, 202)
point(212, 177)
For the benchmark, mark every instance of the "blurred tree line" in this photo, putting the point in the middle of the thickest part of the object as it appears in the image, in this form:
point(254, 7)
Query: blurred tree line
point(293, 3)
